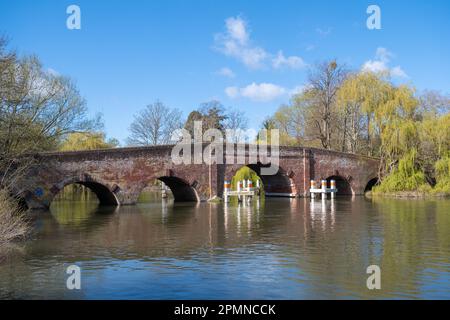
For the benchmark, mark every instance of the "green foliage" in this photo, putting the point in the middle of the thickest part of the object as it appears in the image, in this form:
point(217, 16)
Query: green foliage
point(442, 167)
point(407, 176)
point(245, 173)
point(410, 133)
point(87, 141)
point(211, 113)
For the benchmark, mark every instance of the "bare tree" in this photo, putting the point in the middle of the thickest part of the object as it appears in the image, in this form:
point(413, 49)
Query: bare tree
point(434, 102)
point(37, 107)
point(235, 124)
point(324, 82)
point(154, 125)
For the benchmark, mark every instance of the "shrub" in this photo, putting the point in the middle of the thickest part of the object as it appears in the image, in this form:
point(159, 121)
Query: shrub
point(246, 173)
point(13, 224)
point(406, 177)
point(442, 170)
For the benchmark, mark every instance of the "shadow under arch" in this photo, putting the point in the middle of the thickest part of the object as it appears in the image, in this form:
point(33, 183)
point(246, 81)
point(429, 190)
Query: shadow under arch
point(181, 190)
point(104, 195)
point(342, 184)
point(277, 185)
point(370, 184)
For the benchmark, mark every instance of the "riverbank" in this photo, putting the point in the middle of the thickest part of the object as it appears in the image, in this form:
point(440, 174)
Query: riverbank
point(409, 195)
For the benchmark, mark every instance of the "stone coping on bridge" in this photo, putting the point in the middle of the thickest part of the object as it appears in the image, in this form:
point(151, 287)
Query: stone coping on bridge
point(166, 149)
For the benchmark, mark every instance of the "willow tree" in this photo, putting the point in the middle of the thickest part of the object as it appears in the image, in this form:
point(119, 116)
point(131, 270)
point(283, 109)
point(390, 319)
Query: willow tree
point(87, 141)
point(358, 98)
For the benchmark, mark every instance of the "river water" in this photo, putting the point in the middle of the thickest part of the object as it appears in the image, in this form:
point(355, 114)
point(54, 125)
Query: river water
point(270, 249)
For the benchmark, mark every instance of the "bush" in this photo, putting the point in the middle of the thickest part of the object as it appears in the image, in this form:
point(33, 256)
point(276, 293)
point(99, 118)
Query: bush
point(246, 173)
point(442, 170)
point(406, 177)
point(13, 225)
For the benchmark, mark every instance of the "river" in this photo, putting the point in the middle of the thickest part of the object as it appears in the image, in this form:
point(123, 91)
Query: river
point(269, 249)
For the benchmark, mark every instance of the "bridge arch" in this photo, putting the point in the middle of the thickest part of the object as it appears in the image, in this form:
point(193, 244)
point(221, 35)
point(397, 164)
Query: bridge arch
point(370, 184)
point(278, 185)
point(182, 191)
point(105, 196)
point(342, 184)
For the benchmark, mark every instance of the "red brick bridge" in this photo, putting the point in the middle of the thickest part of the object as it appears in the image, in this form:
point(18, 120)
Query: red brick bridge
point(117, 176)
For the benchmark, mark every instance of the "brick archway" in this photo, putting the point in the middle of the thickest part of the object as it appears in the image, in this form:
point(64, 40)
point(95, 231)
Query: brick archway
point(105, 195)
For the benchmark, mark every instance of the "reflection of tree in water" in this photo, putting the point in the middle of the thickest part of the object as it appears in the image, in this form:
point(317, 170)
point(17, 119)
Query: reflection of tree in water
point(416, 238)
point(328, 248)
point(77, 205)
point(399, 236)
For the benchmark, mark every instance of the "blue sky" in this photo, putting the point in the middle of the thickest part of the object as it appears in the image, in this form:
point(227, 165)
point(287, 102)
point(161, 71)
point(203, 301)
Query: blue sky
point(250, 55)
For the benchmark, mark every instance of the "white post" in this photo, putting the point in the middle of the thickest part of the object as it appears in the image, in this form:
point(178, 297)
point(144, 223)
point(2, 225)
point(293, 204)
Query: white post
point(324, 189)
point(250, 188)
point(313, 186)
point(239, 187)
point(333, 188)
point(163, 190)
point(226, 189)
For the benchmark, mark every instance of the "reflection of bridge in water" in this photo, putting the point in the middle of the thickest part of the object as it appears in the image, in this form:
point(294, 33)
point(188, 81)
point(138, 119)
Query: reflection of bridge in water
point(323, 245)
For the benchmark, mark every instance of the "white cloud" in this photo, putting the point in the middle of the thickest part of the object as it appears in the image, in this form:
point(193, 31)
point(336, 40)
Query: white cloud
point(235, 42)
point(53, 72)
point(237, 29)
point(297, 90)
point(324, 32)
point(398, 72)
point(261, 92)
point(226, 72)
point(381, 64)
point(292, 62)
point(232, 92)
point(375, 66)
point(383, 54)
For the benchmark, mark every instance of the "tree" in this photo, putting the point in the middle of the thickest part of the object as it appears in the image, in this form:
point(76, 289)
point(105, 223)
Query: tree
point(37, 108)
point(433, 102)
point(235, 124)
point(264, 135)
point(323, 83)
point(87, 141)
point(154, 125)
point(358, 98)
point(212, 116)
